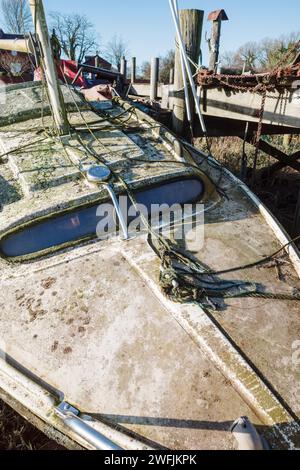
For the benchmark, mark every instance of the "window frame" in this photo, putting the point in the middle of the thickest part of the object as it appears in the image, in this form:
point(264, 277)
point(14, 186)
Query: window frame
point(85, 239)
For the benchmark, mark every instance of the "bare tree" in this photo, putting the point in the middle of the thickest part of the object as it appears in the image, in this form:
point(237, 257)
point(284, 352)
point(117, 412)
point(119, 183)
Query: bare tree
point(264, 55)
point(167, 63)
point(116, 49)
point(76, 35)
point(16, 16)
point(146, 70)
point(228, 59)
point(276, 51)
point(248, 54)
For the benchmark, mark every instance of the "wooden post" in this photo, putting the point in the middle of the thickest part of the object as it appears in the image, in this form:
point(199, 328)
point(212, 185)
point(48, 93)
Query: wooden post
point(191, 22)
point(124, 68)
point(54, 91)
point(171, 79)
point(214, 42)
point(133, 70)
point(215, 45)
point(17, 45)
point(154, 78)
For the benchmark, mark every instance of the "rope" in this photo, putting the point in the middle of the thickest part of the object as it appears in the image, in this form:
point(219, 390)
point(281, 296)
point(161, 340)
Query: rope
point(18, 149)
point(185, 280)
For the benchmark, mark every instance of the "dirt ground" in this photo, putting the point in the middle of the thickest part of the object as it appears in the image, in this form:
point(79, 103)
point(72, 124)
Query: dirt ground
point(280, 193)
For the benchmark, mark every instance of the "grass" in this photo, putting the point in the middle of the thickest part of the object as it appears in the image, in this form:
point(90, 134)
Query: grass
point(280, 193)
point(17, 434)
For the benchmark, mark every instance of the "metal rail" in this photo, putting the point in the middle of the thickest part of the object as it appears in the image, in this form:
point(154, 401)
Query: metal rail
point(70, 417)
point(118, 211)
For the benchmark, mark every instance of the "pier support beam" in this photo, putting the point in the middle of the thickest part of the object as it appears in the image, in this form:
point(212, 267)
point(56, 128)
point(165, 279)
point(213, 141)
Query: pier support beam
point(154, 78)
point(123, 69)
point(133, 70)
point(191, 22)
point(214, 42)
point(171, 78)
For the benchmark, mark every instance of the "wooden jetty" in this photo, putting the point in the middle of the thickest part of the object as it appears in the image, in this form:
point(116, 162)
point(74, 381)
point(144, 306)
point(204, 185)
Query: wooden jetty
point(246, 106)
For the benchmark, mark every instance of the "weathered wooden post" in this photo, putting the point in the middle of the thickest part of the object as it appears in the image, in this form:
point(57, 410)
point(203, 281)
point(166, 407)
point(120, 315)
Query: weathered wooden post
point(54, 91)
point(214, 42)
point(191, 23)
point(154, 78)
point(171, 79)
point(133, 70)
point(124, 68)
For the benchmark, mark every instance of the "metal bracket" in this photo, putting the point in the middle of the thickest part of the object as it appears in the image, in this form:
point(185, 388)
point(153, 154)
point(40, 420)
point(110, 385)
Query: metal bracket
point(101, 175)
point(115, 201)
point(71, 418)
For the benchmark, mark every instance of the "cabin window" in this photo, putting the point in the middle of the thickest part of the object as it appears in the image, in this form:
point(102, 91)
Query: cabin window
point(82, 224)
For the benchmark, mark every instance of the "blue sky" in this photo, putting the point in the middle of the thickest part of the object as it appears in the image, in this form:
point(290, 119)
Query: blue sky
point(147, 24)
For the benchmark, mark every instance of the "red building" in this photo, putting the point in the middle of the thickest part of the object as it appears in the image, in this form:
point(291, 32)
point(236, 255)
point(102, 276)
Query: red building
point(97, 61)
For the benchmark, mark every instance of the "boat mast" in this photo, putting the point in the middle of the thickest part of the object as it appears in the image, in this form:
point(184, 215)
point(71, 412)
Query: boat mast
point(54, 91)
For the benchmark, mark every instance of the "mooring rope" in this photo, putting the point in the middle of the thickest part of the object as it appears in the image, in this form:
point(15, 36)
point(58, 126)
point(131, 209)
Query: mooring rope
point(184, 279)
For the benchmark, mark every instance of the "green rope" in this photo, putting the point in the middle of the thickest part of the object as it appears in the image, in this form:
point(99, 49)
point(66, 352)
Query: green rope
point(185, 280)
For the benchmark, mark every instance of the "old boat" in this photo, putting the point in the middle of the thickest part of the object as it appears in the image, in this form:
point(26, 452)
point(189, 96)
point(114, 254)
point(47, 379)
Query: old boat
point(139, 340)
point(88, 332)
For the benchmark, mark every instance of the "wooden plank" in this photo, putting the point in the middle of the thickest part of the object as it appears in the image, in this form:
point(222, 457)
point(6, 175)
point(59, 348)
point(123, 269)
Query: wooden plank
point(284, 159)
point(219, 127)
point(280, 110)
point(143, 90)
point(279, 166)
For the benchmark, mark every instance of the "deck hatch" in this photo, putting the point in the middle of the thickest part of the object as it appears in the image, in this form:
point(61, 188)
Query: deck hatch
point(81, 224)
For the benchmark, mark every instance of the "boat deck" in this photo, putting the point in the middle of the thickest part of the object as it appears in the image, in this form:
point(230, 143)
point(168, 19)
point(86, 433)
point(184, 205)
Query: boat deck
point(92, 322)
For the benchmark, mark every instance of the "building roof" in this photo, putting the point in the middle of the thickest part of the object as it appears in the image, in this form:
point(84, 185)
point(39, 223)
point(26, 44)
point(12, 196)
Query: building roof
point(218, 15)
point(90, 60)
point(3, 35)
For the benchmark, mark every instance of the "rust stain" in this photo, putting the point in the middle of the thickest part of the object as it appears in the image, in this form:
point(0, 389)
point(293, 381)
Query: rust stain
point(68, 350)
point(54, 346)
point(48, 283)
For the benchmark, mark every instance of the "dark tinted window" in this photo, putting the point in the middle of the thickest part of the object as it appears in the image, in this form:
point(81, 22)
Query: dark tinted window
point(83, 223)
